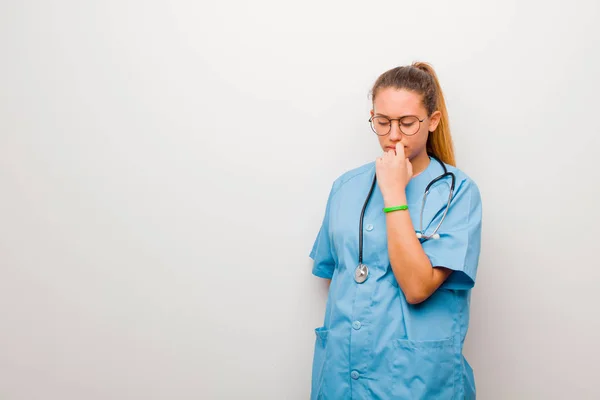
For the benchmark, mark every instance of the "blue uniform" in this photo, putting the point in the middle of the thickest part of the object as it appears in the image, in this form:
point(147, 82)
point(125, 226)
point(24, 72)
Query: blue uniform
point(373, 343)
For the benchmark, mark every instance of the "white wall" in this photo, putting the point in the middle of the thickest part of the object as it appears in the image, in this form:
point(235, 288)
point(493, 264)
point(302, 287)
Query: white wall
point(165, 166)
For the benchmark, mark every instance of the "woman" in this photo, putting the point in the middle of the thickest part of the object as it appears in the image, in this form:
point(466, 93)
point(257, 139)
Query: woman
point(397, 314)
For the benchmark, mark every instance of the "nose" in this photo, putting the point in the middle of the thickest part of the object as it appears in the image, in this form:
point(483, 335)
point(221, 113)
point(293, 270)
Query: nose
point(395, 133)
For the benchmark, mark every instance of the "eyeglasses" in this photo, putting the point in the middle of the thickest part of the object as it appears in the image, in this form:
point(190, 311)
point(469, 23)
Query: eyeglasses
point(409, 124)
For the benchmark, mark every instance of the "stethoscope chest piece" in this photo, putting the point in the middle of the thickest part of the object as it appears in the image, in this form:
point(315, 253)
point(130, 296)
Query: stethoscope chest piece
point(361, 273)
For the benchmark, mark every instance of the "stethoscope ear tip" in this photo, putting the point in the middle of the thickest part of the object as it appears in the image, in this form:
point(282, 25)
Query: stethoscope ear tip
point(419, 235)
point(436, 236)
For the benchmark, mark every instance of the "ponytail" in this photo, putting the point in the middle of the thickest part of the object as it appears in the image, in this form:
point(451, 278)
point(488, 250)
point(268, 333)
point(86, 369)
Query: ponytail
point(439, 143)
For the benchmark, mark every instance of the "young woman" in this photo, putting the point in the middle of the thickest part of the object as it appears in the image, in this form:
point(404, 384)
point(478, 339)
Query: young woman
point(400, 244)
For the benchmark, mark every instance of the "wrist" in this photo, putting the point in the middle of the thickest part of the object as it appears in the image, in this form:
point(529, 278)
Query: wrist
point(395, 199)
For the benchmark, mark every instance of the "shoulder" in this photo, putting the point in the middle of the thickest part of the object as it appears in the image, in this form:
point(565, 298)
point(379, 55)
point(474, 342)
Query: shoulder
point(465, 187)
point(463, 179)
point(352, 176)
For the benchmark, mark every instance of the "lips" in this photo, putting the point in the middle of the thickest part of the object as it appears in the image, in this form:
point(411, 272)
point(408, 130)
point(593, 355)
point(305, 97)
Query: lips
point(388, 148)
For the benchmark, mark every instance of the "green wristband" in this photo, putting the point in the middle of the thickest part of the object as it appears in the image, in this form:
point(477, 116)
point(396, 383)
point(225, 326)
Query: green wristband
point(395, 208)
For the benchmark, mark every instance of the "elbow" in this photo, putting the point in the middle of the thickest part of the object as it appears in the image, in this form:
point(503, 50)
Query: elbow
point(416, 296)
point(415, 299)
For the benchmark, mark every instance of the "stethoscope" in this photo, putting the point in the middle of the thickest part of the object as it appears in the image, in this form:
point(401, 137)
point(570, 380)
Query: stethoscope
point(362, 271)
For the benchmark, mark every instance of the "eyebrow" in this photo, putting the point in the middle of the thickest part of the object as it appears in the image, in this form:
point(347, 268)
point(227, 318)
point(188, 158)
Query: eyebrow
point(402, 116)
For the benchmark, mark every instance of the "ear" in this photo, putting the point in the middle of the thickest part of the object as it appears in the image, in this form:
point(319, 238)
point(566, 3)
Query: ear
point(434, 120)
point(372, 112)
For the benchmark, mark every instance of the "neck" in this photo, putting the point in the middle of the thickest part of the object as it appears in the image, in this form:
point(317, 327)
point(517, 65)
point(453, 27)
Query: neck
point(420, 162)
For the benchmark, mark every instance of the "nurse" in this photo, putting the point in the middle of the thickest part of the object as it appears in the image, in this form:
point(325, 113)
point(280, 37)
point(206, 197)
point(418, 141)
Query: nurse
point(395, 329)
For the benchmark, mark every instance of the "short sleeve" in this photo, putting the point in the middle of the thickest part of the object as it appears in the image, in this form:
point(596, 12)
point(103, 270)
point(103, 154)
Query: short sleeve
point(321, 253)
point(459, 244)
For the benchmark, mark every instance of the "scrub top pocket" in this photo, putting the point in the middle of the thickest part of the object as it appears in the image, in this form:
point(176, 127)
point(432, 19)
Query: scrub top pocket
point(319, 360)
point(425, 369)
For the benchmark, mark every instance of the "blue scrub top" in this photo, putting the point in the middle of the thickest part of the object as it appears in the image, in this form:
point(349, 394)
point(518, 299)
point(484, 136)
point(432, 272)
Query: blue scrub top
point(373, 343)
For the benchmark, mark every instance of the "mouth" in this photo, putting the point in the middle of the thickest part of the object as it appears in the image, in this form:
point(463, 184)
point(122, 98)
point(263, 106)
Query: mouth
point(392, 148)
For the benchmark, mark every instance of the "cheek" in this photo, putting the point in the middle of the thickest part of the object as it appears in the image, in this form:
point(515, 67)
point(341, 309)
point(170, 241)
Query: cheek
point(422, 136)
point(418, 140)
point(417, 143)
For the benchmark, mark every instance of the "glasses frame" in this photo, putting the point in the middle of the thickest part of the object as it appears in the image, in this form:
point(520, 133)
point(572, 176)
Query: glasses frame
point(399, 127)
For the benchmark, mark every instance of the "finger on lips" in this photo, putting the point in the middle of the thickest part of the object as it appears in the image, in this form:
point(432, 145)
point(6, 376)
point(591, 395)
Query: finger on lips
point(400, 149)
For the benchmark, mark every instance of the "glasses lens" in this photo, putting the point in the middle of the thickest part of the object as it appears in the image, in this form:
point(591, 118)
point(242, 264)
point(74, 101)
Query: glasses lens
point(380, 125)
point(409, 125)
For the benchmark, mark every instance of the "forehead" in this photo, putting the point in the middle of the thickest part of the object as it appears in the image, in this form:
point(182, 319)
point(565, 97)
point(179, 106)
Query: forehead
point(394, 103)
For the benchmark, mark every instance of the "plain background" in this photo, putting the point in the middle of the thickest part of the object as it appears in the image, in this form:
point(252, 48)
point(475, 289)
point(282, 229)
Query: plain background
point(164, 168)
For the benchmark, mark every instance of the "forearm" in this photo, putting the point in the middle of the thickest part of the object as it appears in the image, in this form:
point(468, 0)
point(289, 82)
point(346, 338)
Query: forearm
point(410, 265)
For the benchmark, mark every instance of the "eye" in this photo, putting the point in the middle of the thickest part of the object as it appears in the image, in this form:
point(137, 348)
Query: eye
point(381, 121)
point(408, 122)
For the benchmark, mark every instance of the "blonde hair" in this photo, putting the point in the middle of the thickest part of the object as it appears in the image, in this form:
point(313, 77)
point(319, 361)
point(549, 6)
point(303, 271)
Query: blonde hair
point(421, 78)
